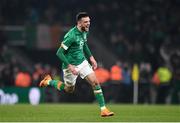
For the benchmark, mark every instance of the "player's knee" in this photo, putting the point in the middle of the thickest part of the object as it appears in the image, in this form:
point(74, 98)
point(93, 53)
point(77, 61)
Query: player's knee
point(69, 89)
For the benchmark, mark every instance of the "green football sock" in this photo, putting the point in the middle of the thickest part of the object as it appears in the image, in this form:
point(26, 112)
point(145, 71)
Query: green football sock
point(57, 85)
point(99, 96)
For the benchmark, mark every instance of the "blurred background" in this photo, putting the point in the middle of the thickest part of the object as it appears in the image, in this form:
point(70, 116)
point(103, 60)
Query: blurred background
point(123, 33)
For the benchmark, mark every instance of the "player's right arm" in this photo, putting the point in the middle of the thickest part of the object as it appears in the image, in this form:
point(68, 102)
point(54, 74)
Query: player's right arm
point(68, 40)
point(60, 54)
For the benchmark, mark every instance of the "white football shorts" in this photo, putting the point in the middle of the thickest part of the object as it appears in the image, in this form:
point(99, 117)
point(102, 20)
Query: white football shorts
point(83, 70)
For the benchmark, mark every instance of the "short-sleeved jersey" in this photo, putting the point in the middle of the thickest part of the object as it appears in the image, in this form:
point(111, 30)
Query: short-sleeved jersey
point(73, 43)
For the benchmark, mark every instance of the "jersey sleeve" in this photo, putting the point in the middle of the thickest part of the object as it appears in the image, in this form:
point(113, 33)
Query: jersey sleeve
point(60, 54)
point(67, 41)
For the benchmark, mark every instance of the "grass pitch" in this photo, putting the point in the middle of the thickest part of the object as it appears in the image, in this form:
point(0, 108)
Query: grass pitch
point(88, 112)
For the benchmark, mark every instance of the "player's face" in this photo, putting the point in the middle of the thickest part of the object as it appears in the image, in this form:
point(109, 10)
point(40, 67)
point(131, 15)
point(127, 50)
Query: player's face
point(85, 24)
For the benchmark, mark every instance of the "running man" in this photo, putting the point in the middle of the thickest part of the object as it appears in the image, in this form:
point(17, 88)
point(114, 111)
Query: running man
point(74, 53)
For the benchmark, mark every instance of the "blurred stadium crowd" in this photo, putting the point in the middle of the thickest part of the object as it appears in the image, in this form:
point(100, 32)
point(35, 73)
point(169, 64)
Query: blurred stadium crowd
point(143, 32)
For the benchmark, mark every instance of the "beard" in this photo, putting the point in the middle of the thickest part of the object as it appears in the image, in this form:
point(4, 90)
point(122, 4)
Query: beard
point(85, 29)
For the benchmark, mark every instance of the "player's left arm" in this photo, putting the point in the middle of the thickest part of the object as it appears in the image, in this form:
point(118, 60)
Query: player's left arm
point(89, 56)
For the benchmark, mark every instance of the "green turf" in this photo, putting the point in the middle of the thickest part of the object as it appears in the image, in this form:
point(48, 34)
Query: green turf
point(88, 112)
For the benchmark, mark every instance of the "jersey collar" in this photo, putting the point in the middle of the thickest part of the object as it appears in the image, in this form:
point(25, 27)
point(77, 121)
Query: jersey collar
point(77, 31)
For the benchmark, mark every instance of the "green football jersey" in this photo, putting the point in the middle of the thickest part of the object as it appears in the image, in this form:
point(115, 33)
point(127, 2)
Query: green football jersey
point(73, 43)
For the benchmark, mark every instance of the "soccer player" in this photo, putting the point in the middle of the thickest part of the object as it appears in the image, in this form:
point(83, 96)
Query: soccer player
point(74, 53)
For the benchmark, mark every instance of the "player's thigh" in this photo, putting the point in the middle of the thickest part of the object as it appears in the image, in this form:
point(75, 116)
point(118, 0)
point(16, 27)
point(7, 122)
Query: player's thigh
point(69, 78)
point(85, 69)
point(91, 78)
point(87, 72)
